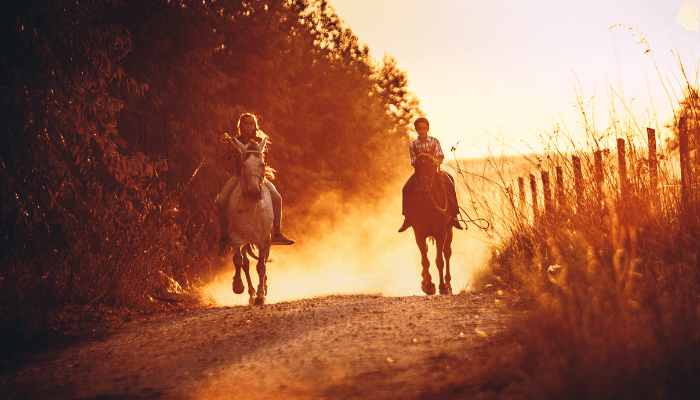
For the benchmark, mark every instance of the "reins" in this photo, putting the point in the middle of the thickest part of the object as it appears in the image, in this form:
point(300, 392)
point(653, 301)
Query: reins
point(439, 209)
point(243, 157)
point(442, 210)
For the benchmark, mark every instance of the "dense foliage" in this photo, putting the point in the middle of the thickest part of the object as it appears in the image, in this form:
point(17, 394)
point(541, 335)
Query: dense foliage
point(111, 112)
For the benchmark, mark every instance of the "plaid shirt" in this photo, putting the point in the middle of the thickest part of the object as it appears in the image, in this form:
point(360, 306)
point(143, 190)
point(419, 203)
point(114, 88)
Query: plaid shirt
point(430, 146)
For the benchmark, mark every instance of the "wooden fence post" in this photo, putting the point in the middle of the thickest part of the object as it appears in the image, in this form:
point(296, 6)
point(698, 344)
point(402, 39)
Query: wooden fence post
point(598, 168)
point(653, 168)
point(578, 182)
point(622, 169)
point(547, 191)
point(598, 164)
point(685, 165)
point(533, 189)
point(561, 205)
point(521, 188)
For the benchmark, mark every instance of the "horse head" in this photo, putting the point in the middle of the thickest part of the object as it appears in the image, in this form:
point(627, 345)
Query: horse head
point(426, 170)
point(252, 169)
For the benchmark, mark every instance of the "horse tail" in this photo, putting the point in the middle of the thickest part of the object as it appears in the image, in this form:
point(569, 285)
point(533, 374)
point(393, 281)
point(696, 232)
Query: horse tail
point(250, 249)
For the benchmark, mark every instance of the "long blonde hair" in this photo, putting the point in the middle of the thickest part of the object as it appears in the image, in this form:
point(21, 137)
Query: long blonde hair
point(258, 131)
point(269, 171)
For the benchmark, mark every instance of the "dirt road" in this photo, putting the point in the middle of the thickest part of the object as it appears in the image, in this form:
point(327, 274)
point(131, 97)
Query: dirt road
point(334, 347)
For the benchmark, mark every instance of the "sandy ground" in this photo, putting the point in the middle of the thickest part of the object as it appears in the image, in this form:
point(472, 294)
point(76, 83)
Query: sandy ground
point(332, 347)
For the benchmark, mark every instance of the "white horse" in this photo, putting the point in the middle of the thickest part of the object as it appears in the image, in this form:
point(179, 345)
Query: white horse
point(250, 220)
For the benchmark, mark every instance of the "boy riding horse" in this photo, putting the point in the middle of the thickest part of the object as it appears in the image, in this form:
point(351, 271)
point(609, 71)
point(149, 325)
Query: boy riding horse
point(425, 144)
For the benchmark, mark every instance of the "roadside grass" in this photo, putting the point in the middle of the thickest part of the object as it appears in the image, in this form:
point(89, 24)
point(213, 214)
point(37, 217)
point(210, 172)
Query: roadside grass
point(140, 265)
point(613, 281)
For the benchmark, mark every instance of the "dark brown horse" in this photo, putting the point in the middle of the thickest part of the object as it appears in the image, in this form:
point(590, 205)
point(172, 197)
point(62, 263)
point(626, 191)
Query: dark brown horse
point(427, 210)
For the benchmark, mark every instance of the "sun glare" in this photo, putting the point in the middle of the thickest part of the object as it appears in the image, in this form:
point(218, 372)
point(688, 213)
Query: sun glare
point(689, 16)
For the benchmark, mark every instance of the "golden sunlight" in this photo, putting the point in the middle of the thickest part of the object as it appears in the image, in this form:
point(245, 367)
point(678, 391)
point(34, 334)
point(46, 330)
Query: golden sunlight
point(689, 16)
point(361, 252)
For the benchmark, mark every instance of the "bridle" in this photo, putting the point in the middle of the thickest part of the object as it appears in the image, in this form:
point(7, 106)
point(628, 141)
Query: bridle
point(431, 183)
point(432, 159)
point(261, 178)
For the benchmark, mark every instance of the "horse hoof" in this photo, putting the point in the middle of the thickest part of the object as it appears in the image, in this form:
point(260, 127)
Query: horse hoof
point(259, 301)
point(238, 286)
point(445, 291)
point(251, 300)
point(428, 289)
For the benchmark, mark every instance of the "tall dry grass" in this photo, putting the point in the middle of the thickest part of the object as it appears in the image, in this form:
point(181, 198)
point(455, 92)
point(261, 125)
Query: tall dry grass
point(613, 281)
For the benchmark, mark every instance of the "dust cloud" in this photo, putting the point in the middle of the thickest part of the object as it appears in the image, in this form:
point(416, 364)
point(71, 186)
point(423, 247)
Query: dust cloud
point(352, 249)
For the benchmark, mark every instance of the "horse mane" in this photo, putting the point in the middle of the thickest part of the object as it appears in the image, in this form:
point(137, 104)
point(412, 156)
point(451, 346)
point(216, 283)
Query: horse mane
point(269, 172)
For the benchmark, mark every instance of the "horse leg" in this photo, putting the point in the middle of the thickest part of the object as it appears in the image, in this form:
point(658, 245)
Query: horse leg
point(426, 285)
point(267, 256)
point(262, 277)
point(238, 286)
point(447, 251)
point(440, 262)
point(246, 269)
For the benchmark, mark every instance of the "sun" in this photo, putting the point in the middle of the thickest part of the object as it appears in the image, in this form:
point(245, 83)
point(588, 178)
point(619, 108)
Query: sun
point(689, 16)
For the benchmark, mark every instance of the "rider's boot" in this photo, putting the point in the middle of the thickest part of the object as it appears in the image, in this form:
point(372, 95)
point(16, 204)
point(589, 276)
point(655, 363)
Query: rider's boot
point(223, 225)
point(279, 238)
point(453, 210)
point(453, 206)
point(406, 224)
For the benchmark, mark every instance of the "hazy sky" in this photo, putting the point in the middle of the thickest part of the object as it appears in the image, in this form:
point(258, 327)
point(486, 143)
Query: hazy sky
point(507, 69)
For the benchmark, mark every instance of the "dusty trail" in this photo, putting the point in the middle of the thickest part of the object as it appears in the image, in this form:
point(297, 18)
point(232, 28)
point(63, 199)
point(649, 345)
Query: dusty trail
point(334, 347)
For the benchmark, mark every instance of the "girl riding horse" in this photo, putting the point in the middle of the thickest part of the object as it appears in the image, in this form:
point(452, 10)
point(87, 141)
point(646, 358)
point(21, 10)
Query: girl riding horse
point(230, 158)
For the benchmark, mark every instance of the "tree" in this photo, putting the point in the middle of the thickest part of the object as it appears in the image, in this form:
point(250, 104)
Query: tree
point(110, 120)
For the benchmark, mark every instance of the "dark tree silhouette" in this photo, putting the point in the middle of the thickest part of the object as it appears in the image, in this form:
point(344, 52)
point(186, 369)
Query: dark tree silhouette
point(111, 112)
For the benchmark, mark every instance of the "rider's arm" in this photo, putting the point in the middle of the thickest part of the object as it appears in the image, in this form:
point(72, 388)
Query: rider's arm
point(439, 156)
point(229, 155)
point(412, 153)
